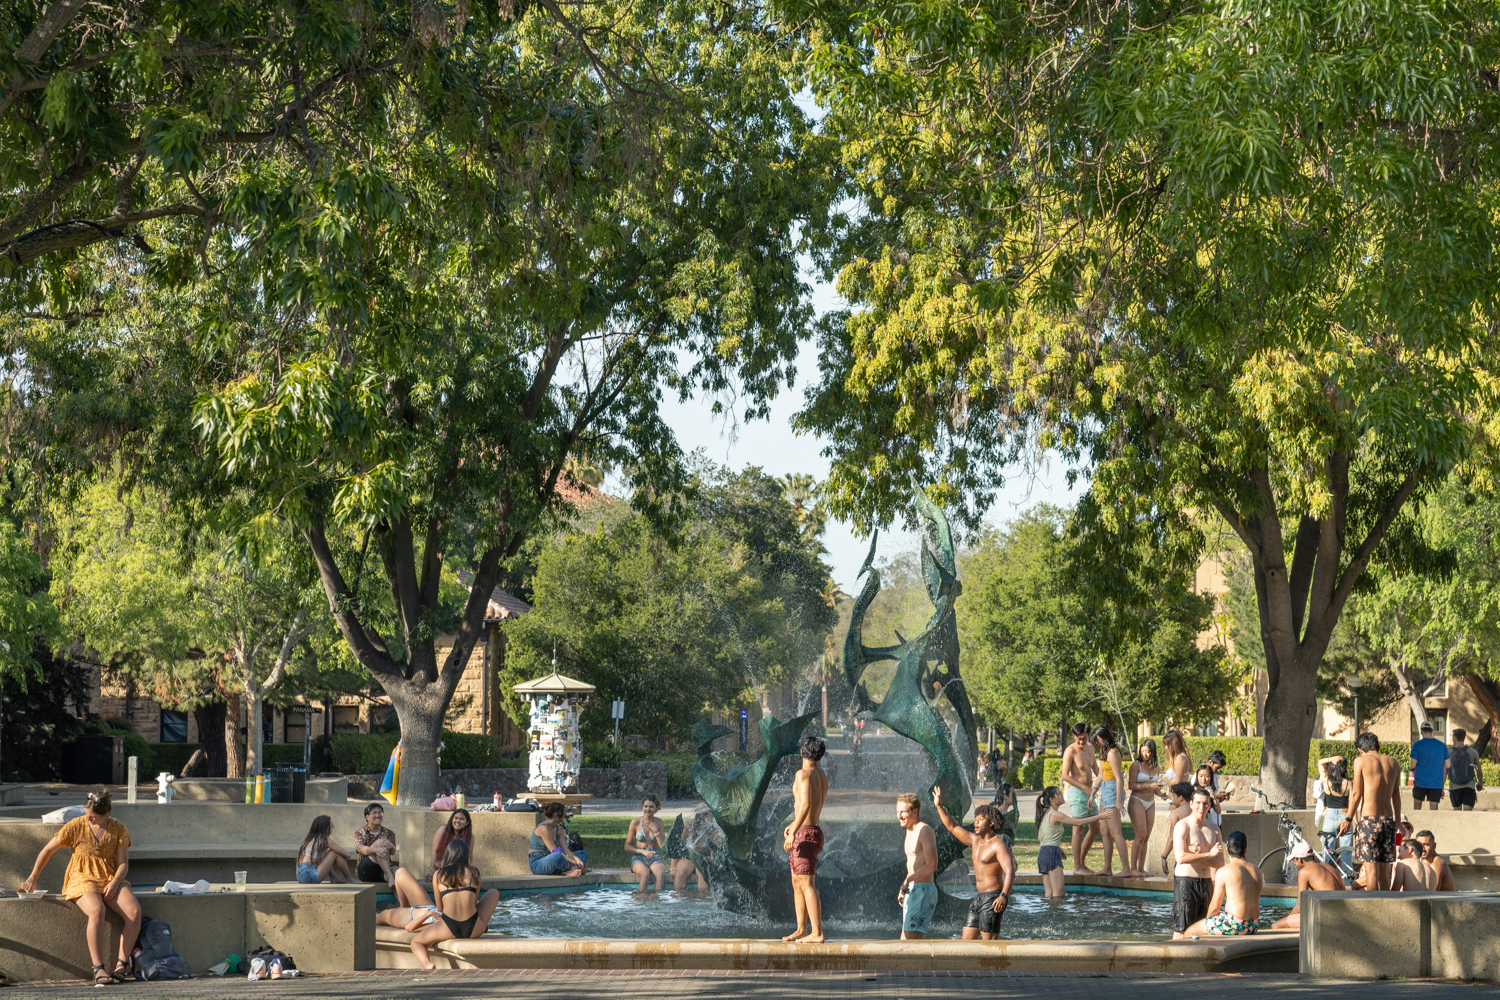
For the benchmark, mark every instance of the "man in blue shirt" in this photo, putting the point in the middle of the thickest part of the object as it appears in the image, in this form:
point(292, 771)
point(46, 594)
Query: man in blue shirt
point(1429, 763)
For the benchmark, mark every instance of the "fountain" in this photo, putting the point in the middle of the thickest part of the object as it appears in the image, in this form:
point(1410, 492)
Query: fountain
point(747, 867)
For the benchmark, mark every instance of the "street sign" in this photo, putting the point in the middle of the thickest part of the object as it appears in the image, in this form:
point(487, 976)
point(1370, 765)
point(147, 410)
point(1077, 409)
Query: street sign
point(744, 729)
point(617, 712)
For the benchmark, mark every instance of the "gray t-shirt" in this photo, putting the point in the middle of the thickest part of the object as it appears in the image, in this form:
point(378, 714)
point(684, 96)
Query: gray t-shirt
point(1474, 762)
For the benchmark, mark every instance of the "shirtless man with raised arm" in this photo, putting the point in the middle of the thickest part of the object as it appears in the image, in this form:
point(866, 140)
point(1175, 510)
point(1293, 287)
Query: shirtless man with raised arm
point(1312, 876)
point(1078, 769)
point(803, 841)
point(994, 867)
point(918, 893)
point(1199, 853)
point(1235, 908)
point(1376, 800)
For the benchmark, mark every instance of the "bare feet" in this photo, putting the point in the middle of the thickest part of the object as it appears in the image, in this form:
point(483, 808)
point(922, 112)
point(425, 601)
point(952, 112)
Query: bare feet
point(1105, 874)
point(796, 935)
point(813, 939)
point(429, 968)
point(1084, 871)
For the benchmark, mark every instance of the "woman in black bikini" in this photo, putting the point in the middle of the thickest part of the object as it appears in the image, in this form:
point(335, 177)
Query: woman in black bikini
point(462, 911)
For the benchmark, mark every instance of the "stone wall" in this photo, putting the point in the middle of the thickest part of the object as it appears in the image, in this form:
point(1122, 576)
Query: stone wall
point(631, 780)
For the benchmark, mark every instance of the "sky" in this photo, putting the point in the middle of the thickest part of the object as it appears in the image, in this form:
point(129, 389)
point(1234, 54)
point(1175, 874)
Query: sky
point(772, 445)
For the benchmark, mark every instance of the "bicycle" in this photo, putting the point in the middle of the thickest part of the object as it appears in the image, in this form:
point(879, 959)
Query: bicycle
point(1284, 871)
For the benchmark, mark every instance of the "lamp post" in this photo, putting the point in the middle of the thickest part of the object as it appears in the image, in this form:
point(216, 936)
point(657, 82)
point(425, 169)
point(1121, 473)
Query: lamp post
point(1354, 685)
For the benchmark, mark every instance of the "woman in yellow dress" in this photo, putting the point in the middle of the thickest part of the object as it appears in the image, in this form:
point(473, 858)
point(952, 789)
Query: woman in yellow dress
point(95, 879)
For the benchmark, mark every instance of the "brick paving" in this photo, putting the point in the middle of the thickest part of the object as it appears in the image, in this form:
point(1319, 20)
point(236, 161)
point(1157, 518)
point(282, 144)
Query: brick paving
point(727, 984)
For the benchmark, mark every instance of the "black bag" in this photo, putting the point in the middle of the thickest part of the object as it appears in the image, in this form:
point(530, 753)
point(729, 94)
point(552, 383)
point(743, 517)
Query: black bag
point(155, 957)
point(575, 842)
point(521, 806)
point(266, 952)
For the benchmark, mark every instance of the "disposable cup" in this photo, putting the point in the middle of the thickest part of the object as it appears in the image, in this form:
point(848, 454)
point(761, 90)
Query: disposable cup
point(239, 881)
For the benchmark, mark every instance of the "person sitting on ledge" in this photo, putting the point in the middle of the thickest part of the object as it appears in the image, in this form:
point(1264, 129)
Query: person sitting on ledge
point(549, 854)
point(646, 840)
point(1235, 908)
point(374, 843)
point(319, 855)
point(461, 910)
point(460, 826)
point(1428, 843)
point(95, 880)
point(1312, 876)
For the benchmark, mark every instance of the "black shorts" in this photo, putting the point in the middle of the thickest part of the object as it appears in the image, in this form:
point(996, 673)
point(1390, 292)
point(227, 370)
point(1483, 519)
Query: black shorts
point(1461, 797)
point(369, 871)
point(1420, 794)
point(1190, 899)
point(982, 913)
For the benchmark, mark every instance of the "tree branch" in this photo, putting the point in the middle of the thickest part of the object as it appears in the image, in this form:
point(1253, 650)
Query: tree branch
point(368, 647)
point(1304, 556)
point(1362, 556)
point(75, 234)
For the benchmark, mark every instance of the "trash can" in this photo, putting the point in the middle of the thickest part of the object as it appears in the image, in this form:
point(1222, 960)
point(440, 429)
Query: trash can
point(299, 782)
point(279, 785)
point(96, 759)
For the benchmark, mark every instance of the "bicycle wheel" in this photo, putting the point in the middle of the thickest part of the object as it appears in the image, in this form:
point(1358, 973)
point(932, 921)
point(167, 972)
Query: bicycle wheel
point(1273, 868)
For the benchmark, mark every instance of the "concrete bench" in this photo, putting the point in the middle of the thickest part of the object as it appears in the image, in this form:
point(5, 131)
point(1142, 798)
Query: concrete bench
point(1401, 934)
point(212, 840)
point(323, 928)
point(319, 790)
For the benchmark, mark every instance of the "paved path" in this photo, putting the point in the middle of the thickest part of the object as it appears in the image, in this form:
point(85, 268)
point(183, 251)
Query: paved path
point(528, 985)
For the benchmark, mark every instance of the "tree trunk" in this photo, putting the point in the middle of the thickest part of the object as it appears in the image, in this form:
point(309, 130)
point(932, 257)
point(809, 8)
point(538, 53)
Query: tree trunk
point(1291, 708)
point(210, 720)
point(421, 733)
point(254, 729)
point(1409, 691)
point(1488, 694)
point(234, 750)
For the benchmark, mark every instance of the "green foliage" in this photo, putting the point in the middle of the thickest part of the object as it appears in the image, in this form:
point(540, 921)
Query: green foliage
point(675, 628)
point(369, 753)
point(1186, 265)
point(28, 618)
point(1327, 748)
point(1242, 752)
point(1051, 771)
point(36, 716)
point(601, 754)
point(173, 757)
point(1041, 645)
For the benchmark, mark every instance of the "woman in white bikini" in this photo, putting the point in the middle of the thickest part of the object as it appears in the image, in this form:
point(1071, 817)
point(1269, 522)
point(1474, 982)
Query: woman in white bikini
point(1145, 788)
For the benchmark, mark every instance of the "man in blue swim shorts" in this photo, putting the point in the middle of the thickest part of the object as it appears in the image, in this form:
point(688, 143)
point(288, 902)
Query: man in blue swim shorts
point(918, 894)
point(1079, 765)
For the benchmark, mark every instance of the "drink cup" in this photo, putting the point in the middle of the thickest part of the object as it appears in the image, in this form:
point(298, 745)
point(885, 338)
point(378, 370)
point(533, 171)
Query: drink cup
point(239, 881)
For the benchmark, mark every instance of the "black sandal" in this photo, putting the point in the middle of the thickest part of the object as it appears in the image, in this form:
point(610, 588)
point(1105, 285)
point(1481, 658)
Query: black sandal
point(122, 972)
point(102, 977)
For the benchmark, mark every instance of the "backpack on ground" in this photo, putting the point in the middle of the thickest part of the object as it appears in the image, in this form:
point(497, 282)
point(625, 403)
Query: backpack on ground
point(1461, 767)
point(155, 956)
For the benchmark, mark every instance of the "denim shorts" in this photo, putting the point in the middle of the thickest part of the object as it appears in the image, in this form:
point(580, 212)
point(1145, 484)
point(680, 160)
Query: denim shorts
point(307, 873)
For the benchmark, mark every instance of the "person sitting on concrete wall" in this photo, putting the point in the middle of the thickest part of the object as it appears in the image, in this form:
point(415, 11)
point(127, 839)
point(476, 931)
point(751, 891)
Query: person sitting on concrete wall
point(459, 827)
point(95, 880)
point(374, 842)
point(549, 854)
point(319, 855)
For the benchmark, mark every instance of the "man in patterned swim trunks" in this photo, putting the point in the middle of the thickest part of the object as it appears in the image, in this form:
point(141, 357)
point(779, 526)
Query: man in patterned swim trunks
point(1235, 908)
point(803, 841)
point(1376, 800)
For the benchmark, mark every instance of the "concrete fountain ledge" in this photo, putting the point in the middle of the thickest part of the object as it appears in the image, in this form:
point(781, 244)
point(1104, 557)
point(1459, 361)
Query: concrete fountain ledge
point(1264, 952)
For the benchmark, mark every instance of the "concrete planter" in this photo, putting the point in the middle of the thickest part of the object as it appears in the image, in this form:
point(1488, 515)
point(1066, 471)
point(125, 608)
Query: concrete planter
point(631, 780)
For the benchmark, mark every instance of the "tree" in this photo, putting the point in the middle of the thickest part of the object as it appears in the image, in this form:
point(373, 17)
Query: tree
point(1042, 646)
point(1213, 255)
point(28, 626)
point(467, 248)
point(734, 604)
point(189, 613)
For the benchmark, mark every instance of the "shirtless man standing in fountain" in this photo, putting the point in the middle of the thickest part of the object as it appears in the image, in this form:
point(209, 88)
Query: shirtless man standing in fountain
point(1200, 851)
point(1078, 769)
point(918, 893)
point(994, 867)
point(804, 841)
point(1376, 800)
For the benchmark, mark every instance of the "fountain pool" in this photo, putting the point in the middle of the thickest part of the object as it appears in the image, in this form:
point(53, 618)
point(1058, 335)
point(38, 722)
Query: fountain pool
point(1088, 913)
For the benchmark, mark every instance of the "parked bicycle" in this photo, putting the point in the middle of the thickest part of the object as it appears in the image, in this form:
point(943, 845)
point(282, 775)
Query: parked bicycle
point(1277, 867)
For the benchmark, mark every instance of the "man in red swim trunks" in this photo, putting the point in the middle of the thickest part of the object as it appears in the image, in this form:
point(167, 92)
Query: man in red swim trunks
point(804, 841)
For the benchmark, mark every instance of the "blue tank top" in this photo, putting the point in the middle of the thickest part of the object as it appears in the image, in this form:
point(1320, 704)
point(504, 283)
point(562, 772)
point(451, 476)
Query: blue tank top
point(538, 845)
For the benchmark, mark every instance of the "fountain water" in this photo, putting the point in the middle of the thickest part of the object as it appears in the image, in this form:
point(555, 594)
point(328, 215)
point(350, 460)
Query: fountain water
point(856, 877)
